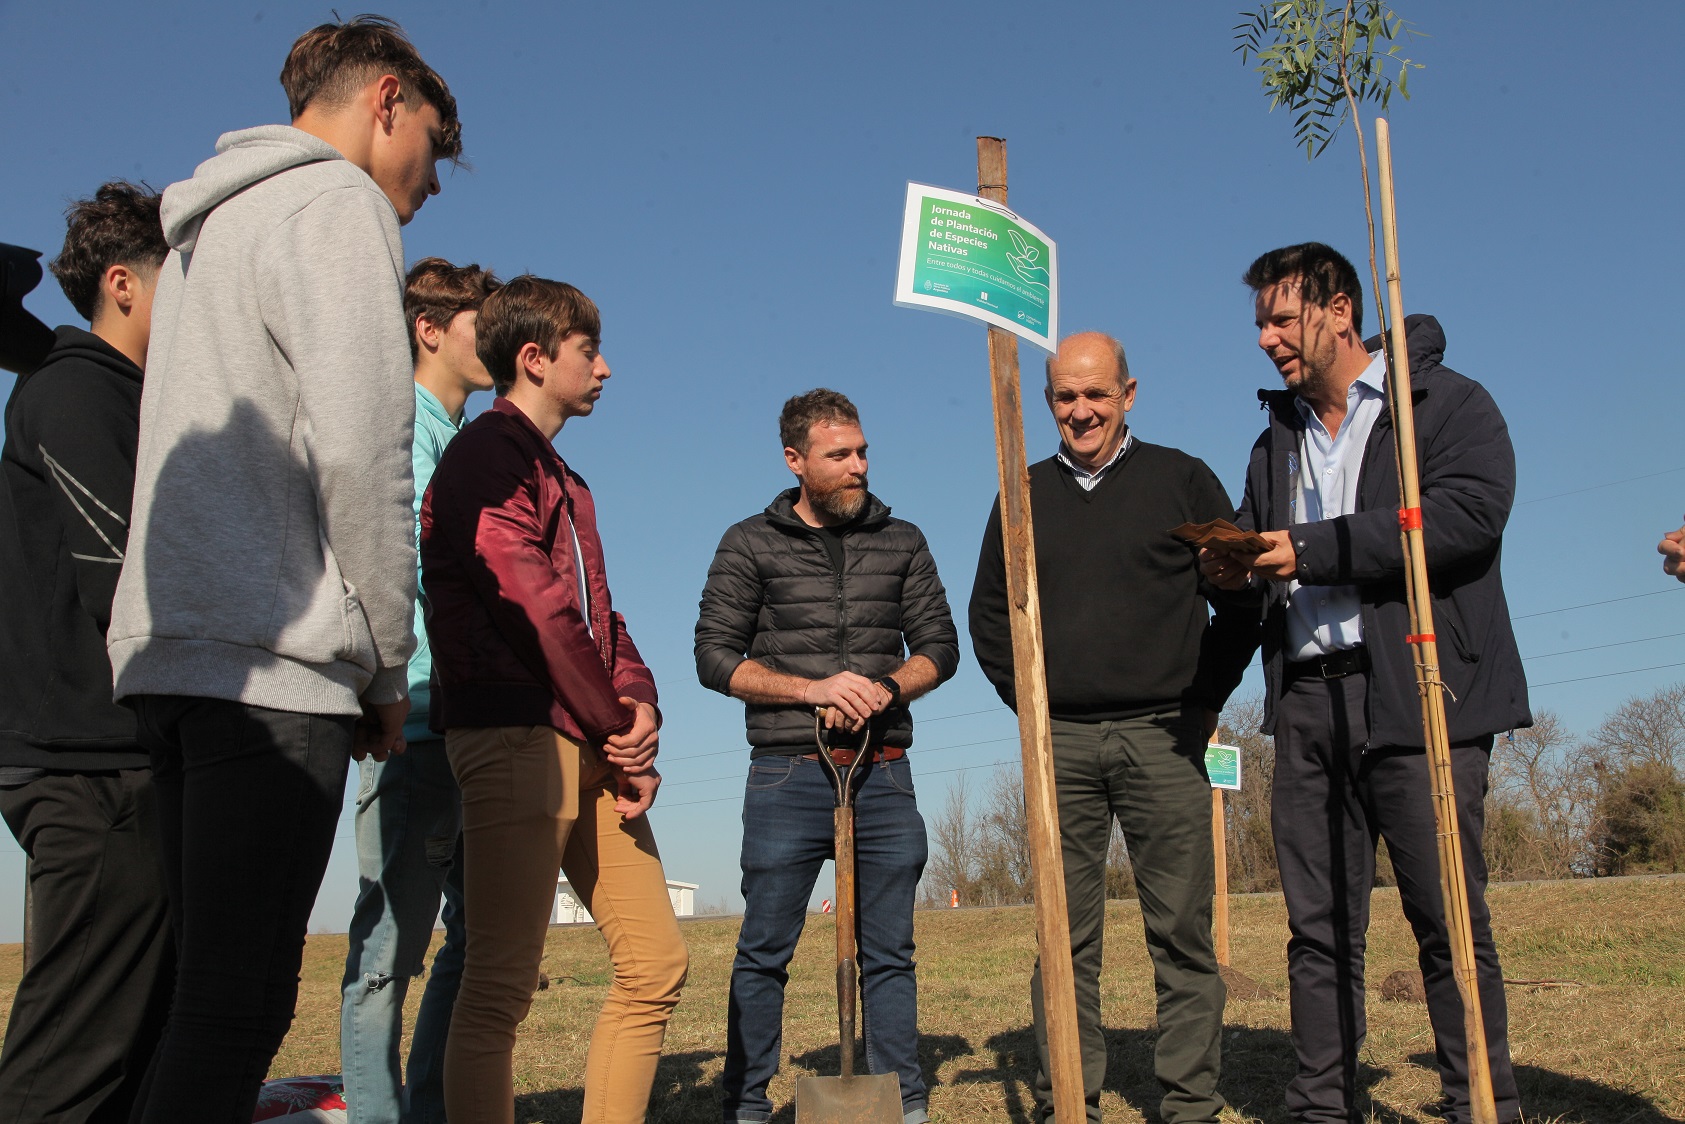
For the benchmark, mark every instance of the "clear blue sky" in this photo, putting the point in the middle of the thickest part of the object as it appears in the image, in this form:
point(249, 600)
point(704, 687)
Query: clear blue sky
point(726, 180)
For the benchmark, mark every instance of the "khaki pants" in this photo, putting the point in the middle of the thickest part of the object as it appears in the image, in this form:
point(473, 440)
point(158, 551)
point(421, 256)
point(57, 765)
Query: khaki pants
point(534, 801)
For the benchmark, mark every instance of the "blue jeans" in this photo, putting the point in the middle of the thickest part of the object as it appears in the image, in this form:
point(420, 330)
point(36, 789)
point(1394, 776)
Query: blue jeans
point(409, 831)
point(787, 836)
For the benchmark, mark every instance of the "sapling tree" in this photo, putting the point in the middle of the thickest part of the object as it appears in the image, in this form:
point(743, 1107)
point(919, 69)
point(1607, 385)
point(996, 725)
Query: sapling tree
point(1320, 61)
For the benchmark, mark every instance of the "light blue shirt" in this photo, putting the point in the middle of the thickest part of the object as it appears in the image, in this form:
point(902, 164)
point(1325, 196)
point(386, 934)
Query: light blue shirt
point(433, 431)
point(1086, 480)
point(1322, 619)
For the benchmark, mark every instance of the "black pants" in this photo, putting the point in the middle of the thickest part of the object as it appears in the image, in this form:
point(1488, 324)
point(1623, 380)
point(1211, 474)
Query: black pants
point(247, 801)
point(91, 1004)
point(1334, 796)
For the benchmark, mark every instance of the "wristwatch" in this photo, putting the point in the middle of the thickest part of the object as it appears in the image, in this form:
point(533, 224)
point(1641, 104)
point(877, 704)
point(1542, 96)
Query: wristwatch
point(892, 687)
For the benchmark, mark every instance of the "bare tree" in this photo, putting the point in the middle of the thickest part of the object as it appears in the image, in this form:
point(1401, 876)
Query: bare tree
point(1540, 804)
point(953, 848)
point(1246, 822)
point(1120, 872)
point(1004, 874)
point(1649, 730)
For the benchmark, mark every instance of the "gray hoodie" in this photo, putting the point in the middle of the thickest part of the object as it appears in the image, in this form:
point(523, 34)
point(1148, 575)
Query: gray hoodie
point(272, 557)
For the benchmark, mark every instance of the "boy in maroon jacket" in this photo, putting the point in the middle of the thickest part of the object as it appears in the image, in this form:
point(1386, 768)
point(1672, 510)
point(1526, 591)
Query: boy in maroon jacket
point(549, 716)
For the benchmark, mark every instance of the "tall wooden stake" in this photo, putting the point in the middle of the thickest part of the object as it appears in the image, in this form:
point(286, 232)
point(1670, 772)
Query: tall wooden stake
point(1035, 733)
point(1220, 906)
point(1452, 881)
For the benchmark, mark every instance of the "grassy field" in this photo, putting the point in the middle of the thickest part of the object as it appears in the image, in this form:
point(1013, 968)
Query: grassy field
point(1608, 1051)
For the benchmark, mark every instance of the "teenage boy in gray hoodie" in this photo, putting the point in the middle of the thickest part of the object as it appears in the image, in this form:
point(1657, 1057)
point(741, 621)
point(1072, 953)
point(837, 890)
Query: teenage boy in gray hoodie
point(264, 605)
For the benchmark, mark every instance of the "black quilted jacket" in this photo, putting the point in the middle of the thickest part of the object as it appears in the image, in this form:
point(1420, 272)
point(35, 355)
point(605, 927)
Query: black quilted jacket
point(772, 595)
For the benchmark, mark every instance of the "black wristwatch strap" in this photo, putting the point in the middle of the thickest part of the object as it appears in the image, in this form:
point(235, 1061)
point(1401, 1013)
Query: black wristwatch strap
point(894, 689)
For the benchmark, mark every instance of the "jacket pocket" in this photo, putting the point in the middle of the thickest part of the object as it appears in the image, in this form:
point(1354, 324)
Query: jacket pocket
point(322, 620)
point(1449, 617)
point(771, 771)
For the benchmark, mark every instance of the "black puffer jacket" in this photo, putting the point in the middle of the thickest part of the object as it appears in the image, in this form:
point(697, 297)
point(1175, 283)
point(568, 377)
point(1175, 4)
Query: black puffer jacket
point(773, 596)
point(1468, 485)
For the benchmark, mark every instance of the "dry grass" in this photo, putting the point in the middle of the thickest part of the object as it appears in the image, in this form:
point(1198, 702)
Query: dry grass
point(1610, 1052)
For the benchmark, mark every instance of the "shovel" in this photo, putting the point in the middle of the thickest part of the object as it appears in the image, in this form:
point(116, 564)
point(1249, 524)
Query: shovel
point(847, 1099)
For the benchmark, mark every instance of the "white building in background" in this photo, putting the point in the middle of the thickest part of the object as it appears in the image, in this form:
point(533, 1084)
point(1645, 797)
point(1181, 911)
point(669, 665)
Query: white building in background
point(569, 910)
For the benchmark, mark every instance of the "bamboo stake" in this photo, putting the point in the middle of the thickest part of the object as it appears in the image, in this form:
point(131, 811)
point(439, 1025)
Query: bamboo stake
point(1035, 732)
point(1452, 878)
point(1220, 845)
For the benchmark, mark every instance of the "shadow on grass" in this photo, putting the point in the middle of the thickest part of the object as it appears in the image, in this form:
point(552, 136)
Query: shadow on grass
point(680, 1093)
point(1257, 1064)
point(1559, 1097)
point(935, 1051)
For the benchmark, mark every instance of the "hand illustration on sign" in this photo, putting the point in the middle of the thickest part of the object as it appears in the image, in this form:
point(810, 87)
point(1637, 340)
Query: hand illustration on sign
point(1024, 261)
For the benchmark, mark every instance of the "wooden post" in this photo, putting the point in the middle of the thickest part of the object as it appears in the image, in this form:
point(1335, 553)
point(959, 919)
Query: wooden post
point(1220, 906)
point(1035, 733)
point(1452, 881)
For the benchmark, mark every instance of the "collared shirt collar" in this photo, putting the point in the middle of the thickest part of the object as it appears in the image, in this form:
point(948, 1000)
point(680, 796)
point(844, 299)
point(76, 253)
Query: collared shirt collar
point(1373, 382)
point(1089, 479)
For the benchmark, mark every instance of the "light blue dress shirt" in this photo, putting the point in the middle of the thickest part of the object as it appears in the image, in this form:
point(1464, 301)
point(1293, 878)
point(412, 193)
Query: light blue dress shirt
point(1322, 619)
point(433, 431)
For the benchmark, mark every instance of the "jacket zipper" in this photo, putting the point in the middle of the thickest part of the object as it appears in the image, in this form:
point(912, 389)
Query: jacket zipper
point(842, 602)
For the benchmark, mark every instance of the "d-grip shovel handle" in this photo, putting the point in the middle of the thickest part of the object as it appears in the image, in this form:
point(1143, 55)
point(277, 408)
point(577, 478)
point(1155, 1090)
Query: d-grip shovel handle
point(844, 786)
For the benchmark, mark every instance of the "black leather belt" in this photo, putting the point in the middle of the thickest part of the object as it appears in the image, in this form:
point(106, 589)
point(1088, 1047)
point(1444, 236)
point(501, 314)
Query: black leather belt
point(1336, 665)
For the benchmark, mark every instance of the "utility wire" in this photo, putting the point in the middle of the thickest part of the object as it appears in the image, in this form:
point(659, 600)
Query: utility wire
point(967, 714)
point(1604, 675)
point(1600, 647)
point(1600, 487)
point(1593, 604)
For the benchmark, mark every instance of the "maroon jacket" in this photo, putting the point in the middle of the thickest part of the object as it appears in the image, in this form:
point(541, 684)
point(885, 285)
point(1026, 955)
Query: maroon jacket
point(501, 588)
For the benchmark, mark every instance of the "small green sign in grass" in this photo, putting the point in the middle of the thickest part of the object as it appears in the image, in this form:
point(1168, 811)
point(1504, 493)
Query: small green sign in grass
point(1222, 765)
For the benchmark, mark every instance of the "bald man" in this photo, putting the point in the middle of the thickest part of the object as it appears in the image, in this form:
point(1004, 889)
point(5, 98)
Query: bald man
point(1137, 670)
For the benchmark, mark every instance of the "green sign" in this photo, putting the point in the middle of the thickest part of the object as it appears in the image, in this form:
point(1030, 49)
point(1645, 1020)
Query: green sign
point(971, 257)
point(1222, 765)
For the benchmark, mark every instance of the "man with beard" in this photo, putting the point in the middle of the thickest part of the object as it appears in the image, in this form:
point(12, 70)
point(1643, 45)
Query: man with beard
point(807, 613)
point(1341, 698)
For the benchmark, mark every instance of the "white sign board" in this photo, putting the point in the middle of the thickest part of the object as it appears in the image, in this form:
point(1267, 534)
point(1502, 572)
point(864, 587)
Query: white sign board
point(971, 257)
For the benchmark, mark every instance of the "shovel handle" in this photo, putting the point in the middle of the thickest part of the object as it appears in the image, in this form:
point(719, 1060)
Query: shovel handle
point(846, 979)
point(844, 786)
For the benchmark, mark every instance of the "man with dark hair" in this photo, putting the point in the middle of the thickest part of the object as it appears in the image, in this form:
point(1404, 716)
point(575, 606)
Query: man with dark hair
point(1341, 698)
point(331, 66)
point(75, 788)
point(266, 602)
point(409, 812)
point(1138, 669)
point(823, 608)
point(549, 716)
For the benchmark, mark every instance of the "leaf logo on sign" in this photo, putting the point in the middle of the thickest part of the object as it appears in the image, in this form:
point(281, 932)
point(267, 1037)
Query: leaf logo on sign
point(1024, 261)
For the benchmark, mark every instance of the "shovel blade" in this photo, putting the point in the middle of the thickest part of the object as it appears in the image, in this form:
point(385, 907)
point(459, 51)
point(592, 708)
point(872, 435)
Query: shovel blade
point(865, 1099)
